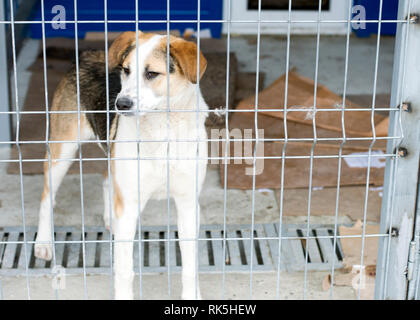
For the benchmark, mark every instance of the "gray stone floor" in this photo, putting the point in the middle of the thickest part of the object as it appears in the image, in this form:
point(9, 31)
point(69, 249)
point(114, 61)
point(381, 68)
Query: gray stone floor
point(361, 65)
point(264, 286)
point(67, 212)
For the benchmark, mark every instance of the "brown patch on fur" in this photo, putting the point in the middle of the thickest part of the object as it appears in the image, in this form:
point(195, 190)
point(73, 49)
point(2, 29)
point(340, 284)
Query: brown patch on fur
point(117, 197)
point(118, 201)
point(156, 62)
point(185, 53)
point(46, 190)
point(117, 48)
point(127, 58)
point(178, 80)
point(117, 52)
point(63, 126)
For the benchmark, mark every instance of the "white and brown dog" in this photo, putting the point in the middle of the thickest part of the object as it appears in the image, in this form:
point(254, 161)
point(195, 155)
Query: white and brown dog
point(137, 84)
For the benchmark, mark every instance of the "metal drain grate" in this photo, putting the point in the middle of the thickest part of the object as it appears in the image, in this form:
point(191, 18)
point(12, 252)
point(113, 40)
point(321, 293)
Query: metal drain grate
point(321, 253)
point(154, 253)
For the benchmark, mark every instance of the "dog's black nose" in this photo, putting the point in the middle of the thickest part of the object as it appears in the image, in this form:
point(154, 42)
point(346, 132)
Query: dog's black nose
point(124, 103)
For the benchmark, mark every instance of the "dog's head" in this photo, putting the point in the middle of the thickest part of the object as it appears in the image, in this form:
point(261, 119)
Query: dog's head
point(144, 70)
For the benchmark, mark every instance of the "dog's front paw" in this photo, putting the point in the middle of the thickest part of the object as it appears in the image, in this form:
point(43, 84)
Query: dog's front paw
point(108, 227)
point(124, 296)
point(43, 251)
point(191, 296)
point(107, 223)
point(123, 292)
point(123, 285)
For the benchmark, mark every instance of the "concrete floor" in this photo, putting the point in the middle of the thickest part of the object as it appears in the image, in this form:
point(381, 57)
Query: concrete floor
point(361, 64)
point(67, 212)
point(154, 287)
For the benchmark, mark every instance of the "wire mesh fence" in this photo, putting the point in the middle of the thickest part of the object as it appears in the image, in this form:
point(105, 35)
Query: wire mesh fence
point(127, 245)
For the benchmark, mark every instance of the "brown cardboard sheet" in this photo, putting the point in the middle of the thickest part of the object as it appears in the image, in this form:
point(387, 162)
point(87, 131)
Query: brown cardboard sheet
point(300, 95)
point(301, 125)
point(353, 275)
point(352, 247)
point(297, 170)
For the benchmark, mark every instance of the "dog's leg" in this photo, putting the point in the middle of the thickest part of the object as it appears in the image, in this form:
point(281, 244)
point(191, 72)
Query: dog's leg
point(124, 233)
point(125, 216)
point(188, 220)
point(43, 247)
point(54, 174)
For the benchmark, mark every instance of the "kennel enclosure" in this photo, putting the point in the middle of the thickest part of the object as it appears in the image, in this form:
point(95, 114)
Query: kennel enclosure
point(253, 247)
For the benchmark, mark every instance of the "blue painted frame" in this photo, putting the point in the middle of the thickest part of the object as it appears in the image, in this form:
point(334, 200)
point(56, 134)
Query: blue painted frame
point(389, 12)
point(125, 10)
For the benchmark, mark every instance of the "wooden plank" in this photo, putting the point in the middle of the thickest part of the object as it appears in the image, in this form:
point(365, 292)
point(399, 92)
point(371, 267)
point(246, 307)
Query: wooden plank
point(264, 246)
point(154, 249)
point(327, 246)
point(59, 247)
point(167, 247)
point(247, 246)
point(234, 252)
point(217, 249)
point(24, 260)
point(312, 246)
point(172, 250)
point(271, 231)
point(105, 250)
point(90, 249)
point(10, 251)
point(203, 253)
point(297, 250)
point(74, 250)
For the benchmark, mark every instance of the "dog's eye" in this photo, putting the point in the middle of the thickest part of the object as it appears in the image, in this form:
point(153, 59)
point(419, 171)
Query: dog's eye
point(151, 75)
point(126, 71)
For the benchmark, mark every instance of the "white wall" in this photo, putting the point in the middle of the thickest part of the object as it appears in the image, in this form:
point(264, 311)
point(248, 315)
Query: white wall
point(338, 11)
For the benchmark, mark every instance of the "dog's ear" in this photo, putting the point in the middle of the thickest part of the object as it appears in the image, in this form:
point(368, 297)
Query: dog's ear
point(119, 46)
point(185, 53)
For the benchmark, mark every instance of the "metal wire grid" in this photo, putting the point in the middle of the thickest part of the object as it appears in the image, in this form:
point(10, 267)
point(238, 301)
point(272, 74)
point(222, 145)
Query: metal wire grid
point(227, 139)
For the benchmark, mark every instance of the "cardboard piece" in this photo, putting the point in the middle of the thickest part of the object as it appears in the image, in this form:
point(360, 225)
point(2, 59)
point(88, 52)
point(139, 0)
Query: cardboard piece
point(296, 171)
point(340, 280)
point(382, 100)
point(354, 275)
point(355, 279)
point(300, 125)
point(352, 246)
point(300, 95)
point(274, 129)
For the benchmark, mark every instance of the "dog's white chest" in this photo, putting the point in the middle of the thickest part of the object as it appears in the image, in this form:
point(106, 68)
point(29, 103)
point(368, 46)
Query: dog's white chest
point(159, 147)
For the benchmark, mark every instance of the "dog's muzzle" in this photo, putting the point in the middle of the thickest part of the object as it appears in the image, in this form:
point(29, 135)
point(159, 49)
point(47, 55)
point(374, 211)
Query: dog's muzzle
point(124, 104)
